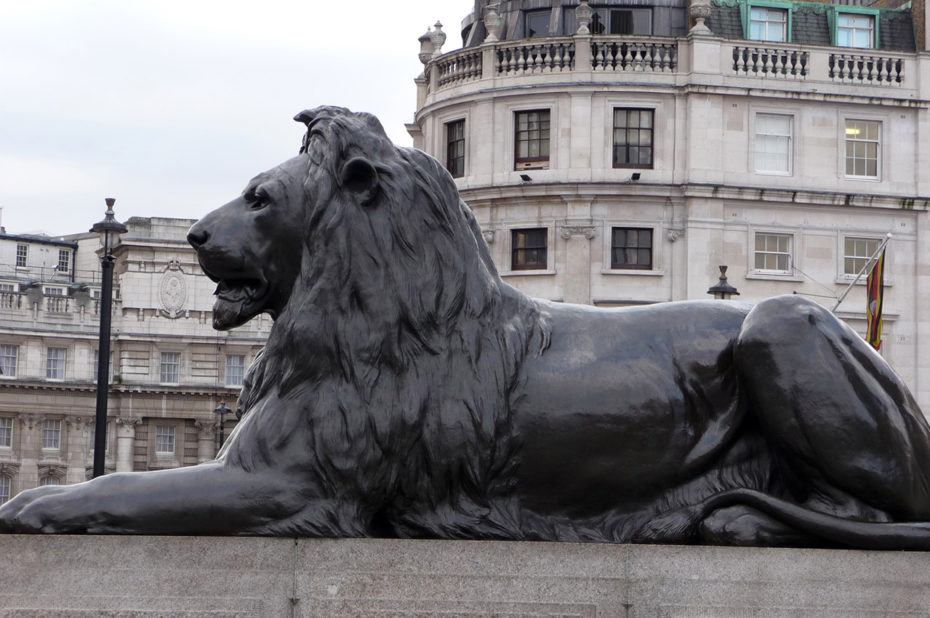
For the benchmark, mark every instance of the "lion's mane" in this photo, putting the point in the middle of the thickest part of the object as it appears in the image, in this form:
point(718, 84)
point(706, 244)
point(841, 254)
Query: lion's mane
point(395, 346)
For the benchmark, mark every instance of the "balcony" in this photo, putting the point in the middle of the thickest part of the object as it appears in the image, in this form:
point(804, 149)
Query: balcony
point(674, 62)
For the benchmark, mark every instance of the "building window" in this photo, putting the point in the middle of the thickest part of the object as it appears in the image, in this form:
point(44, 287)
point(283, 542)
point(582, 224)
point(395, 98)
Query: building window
point(6, 485)
point(773, 143)
point(21, 252)
point(51, 434)
point(528, 249)
point(853, 30)
point(631, 248)
point(621, 21)
point(235, 369)
point(773, 252)
point(9, 355)
point(164, 439)
point(6, 432)
point(49, 291)
point(55, 363)
point(64, 261)
point(455, 148)
point(170, 367)
point(863, 138)
point(857, 252)
point(633, 137)
point(768, 24)
point(50, 480)
point(532, 139)
point(536, 24)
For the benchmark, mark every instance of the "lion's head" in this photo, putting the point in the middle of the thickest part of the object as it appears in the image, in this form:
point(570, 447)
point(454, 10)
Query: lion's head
point(391, 322)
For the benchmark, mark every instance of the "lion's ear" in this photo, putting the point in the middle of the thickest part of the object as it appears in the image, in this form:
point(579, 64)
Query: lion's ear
point(361, 178)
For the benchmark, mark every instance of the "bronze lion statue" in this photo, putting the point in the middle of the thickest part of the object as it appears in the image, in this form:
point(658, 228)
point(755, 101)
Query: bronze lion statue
point(406, 391)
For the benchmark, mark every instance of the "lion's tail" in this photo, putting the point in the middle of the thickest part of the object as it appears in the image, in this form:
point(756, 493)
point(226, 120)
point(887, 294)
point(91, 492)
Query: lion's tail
point(858, 534)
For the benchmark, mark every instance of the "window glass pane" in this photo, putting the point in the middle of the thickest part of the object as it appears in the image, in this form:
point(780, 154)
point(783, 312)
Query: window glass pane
point(55, 363)
point(631, 248)
point(50, 480)
point(5, 488)
point(9, 355)
point(164, 439)
point(235, 369)
point(51, 434)
point(537, 24)
point(633, 138)
point(170, 367)
point(6, 431)
point(773, 252)
point(529, 249)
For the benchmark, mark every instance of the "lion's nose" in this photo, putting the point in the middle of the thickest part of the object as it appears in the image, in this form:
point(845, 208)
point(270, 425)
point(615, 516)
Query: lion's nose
point(197, 236)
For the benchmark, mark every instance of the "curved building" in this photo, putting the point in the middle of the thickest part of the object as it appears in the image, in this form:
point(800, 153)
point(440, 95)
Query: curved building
point(619, 152)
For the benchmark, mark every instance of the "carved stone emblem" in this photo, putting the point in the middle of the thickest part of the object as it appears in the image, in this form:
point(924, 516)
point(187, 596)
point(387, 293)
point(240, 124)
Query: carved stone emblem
point(173, 290)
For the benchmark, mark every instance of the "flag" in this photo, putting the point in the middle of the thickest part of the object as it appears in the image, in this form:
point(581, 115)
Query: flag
point(875, 289)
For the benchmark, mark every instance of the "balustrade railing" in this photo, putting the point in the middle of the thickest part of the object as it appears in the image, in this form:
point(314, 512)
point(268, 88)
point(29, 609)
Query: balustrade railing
point(628, 54)
point(548, 56)
point(460, 67)
point(10, 300)
point(780, 62)
point(862, 69)
point(57, 304)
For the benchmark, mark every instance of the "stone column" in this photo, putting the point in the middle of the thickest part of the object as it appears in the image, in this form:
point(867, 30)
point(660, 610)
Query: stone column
point(206, 440)
point(125, 440)
point(577, 252)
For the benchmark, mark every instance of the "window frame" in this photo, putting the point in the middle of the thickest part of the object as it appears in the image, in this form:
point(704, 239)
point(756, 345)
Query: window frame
point(6, 432)
point(756, 142)
point(6, 488)
point(64, 258)
point(163, 364)
point(626, 266)
point(628, 146)
point(844, 255)
point(746, 17)
point(459, 142)
point(4, 357)
point(48, 363)
point(174, 440)
point(241, 368)
point(790, 253)
point(538, 13)
point(834, 22)
point(847, 140)
point(530, 162)
point(47, 431)
point(514, 249)
point(22, 255)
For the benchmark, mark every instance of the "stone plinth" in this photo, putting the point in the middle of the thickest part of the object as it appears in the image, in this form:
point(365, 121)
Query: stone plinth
point(177, 576)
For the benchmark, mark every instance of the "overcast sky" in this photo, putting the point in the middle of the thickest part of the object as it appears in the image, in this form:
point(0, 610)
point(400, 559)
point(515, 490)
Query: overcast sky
point(171, 106)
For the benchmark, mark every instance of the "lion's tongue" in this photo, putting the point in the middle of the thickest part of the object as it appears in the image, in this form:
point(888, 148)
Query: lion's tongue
point(233, 294)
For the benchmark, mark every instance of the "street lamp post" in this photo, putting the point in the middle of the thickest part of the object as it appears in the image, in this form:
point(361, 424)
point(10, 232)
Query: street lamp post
point(723, 290)
point(221, 410)
point(109, 230)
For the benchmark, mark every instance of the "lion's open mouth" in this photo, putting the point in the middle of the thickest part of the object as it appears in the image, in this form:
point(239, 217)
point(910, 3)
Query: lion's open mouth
point(241, 290)
point(238, 300)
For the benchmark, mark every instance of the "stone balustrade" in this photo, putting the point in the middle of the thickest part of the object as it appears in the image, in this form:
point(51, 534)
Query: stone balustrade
point(552, 55)
point(650, 54)
point(582, 57)
point(874, 69)
point(770, 61)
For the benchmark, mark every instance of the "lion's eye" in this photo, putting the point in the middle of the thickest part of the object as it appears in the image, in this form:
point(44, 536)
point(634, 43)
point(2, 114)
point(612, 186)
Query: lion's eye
point(257, 199)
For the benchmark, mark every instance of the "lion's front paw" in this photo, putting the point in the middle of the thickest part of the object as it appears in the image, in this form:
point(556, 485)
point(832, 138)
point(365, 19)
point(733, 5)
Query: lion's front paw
point(31, 511)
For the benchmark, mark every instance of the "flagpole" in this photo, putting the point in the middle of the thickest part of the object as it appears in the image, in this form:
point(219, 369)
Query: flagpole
point(867, 266)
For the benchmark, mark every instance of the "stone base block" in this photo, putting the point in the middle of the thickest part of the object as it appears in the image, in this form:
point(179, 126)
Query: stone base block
point(82, 576)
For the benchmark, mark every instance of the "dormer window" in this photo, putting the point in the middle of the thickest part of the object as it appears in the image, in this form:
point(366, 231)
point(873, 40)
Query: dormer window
point(768, 24)
point(854, 30)
point(622, 21)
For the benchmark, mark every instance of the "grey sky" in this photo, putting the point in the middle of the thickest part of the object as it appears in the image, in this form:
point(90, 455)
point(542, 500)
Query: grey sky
point(171, 106)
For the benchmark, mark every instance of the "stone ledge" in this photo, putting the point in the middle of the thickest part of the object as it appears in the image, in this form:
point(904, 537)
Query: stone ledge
point(82, 576)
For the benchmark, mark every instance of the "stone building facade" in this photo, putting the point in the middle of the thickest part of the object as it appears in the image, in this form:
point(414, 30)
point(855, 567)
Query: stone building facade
point(169, 371)
point(617, 152)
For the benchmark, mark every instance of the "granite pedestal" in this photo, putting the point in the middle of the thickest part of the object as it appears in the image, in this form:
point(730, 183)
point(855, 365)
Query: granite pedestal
point(197, 576)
